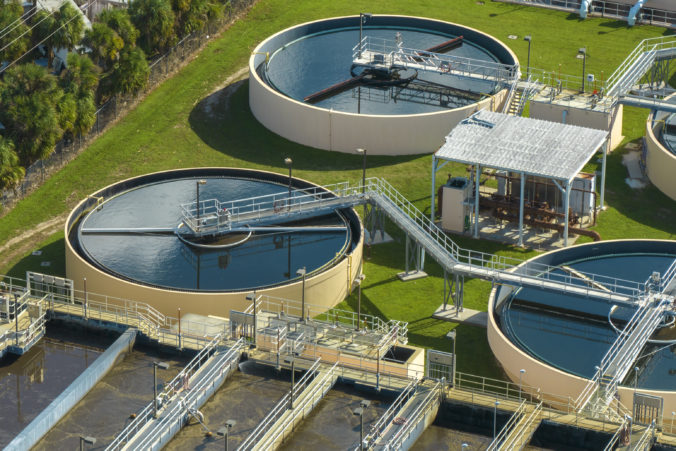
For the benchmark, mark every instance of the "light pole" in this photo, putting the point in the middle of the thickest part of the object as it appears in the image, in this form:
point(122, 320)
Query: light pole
point(359, 411)
point(223, 432)
point(360, 280)
point(630, 420)
point(521, 373)
point(197, 189)
point(289, 163)
point(528, 38)
point(583, 52)
point(635, 379)
point(362, 152)
point(451, 335)
point(362, 21)
point(253, 298)
point(84, 439)
point(292, 361)
point(495, 418)
point(301, 272)
point(672, 421)
point(161, 365)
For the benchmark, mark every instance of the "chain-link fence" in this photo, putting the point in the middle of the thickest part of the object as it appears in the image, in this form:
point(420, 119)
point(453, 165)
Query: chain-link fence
point(161, 67)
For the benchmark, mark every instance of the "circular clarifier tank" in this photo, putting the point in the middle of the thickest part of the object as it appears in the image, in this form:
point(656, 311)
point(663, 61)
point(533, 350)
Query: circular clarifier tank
point(308, 83)
point(559, 339)
point(129, 240)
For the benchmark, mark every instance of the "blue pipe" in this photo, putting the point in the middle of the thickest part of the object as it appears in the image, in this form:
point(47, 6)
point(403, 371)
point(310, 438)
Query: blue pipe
point(584, 7)
point(633, 12)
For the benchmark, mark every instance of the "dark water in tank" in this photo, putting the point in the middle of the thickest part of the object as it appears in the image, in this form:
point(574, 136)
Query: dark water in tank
point(163, 260)
point(317, 61)
point(572, 332)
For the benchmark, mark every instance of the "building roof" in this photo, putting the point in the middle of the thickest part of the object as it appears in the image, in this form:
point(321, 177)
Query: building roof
point(520, 144)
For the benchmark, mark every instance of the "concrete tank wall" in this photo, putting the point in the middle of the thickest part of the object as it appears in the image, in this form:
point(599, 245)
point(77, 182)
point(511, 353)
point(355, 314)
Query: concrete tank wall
point(545, 377)
point(325, 289)
point(660, 162)
point(344, 132)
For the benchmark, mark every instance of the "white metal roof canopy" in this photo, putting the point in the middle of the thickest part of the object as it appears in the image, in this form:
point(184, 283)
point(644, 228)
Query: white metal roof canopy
point(527, 146)
point(521, 144)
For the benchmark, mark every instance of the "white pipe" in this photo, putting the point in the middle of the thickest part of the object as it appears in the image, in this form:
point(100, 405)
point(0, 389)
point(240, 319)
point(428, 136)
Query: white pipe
point(584, 7)
point(633, 12)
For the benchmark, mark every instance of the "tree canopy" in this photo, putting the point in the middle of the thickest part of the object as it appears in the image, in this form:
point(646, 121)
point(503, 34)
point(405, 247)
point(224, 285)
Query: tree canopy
point(155, 21)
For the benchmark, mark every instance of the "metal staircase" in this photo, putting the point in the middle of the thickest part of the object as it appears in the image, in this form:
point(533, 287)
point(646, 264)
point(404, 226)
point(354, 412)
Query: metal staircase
point(601, 389)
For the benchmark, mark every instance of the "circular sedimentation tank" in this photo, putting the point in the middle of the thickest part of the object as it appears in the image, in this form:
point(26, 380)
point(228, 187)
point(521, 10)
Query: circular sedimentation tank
point(400, 111)
point(130, 240)
point(559, 339)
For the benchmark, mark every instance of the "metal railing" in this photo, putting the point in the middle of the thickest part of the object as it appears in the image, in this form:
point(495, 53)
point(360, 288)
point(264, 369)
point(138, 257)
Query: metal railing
point(414, 418)
point(175, 386)
point(637, 63)
point(331, 317)
point(484, 265)
point(386, 419)
point(172, 420)
point(499, 440)
point(520, 435)
point(621, 355)
point(215, 216)
point(615, 439)
point(391, 53)
point(280, 408)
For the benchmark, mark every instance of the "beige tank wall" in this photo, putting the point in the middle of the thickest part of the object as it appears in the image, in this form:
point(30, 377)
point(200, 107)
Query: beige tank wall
point(580, 117)
point(344, 132)
point(326, 289)
point(549, 379)
point(660, 162)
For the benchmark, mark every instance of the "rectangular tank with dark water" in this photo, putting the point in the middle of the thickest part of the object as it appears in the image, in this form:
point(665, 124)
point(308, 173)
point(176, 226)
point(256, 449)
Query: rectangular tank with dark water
point(30, 382)
point(125, 390)
point(246, 397)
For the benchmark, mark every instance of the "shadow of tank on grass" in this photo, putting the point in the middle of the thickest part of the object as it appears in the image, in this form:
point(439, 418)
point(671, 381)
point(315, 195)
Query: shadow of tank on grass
point(223, 120)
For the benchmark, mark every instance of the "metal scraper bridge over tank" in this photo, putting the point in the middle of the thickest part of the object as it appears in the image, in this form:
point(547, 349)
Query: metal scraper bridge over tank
point(213, 218)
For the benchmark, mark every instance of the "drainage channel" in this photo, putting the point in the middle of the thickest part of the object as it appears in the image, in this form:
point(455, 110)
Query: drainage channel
point(28, 383)
point(107, 408)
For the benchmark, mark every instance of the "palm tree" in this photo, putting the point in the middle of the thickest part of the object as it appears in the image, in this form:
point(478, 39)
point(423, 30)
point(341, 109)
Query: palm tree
point(130, 74)
point(155, 21)
point(28, 109)
point(105, 44)
point(11, 171)
point(63, 30)
point(10, 15)
point(80, 82)
point(119, 20)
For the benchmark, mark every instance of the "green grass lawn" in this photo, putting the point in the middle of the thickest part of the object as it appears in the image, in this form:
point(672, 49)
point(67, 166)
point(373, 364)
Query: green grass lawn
point(171, 129)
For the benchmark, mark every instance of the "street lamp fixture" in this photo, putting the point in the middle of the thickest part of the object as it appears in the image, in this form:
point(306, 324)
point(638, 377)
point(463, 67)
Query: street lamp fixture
point(362, 152)
point(582, 52)
point(363, 17)
point(451, 335)
point(528, 39)
point(162, 366)
point(301, 273)
point(359, 411)
point(223, 432)
point(197, 189)
point(289, 163)
point(85, 439)
point(495, 418)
